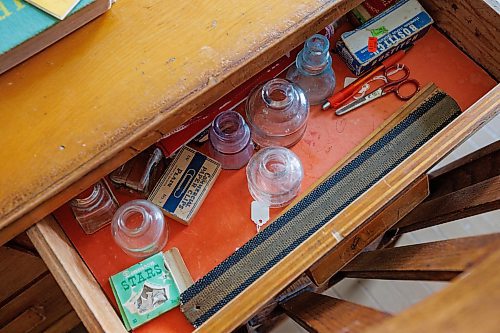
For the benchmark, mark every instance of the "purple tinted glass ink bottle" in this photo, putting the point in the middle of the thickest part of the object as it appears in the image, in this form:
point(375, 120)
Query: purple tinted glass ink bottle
point(230, 141)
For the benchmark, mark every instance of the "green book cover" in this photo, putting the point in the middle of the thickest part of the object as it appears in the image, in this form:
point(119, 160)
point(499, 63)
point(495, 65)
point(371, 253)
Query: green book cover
point(20, 21)
point(144, 291)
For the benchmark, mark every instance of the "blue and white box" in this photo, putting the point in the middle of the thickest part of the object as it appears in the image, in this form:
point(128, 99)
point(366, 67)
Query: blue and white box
point(395, 28)
point(185, 184)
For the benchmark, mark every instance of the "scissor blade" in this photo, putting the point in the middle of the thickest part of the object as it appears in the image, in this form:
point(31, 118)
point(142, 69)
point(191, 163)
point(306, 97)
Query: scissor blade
point(357, 103)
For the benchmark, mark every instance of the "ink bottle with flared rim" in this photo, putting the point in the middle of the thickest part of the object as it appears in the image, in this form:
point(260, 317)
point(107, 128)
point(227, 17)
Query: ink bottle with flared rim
point(274, 176)
point(313, 71)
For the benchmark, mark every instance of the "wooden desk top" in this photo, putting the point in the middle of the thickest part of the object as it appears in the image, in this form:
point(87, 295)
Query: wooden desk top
point(82, 107)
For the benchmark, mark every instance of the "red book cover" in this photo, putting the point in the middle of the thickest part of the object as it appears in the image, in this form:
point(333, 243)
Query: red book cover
point(375, 7)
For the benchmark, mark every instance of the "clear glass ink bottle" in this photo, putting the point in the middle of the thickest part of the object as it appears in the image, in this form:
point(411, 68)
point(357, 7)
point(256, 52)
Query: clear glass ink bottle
point(139, 228)
point(274, 176)
point(230, 141)
point(94, 208)
point(313, 70)
point(277, 113)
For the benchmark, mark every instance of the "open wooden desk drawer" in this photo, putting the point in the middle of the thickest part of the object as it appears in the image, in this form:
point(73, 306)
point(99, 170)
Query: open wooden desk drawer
point(84, 291)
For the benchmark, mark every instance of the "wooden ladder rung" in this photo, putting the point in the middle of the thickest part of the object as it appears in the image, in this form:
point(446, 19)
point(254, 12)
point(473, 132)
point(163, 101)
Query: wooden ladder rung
point(436, 261)
point(320, 313)
point(479, 165)
point(472, 200)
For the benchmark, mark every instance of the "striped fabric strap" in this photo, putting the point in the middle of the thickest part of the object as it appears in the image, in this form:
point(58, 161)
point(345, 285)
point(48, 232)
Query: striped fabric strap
point(209, 294)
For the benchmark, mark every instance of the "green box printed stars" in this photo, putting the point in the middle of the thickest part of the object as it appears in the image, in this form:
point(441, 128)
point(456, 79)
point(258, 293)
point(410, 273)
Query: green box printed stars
point(144, 291)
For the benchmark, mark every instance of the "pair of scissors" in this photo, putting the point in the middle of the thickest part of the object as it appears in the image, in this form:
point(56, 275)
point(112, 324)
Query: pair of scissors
point(394, 84)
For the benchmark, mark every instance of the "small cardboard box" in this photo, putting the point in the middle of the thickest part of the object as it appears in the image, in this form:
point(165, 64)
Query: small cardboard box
point(395, 28)
point(151, 287)
point(183, 187)
point(144, 291)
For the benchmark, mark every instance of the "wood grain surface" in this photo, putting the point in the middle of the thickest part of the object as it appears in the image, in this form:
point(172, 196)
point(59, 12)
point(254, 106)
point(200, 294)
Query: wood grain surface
point(473, 25)
point(323, 314)
point(469, 304)
point(65, 323)
point(472, 168)
point(435, 261)
point(466, 187)
point(35, 308)
point(17, 269)
point(82, 107)
point(27, 321)
point(74, 278)
point(469, 201)
point(329, 265)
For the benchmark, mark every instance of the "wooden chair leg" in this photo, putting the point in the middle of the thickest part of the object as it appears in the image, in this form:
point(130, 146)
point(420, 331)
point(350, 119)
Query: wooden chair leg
point(437, 261)
point(466, 187)
point(320, 313)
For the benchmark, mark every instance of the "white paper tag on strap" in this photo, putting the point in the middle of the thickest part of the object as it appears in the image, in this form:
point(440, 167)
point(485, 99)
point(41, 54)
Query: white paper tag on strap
point(259, 214)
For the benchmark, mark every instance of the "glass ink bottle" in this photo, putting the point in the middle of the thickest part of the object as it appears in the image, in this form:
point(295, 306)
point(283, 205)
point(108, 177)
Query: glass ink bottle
point(274, 176)
point(139, 228)
point(313, 70)
point(94, 208)
point(230, 141)
point(277, 113)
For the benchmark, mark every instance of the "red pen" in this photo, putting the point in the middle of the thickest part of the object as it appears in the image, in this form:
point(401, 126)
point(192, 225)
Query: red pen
point(342, 96)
